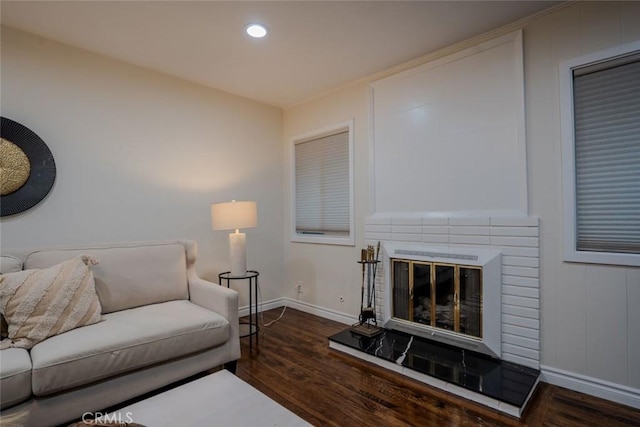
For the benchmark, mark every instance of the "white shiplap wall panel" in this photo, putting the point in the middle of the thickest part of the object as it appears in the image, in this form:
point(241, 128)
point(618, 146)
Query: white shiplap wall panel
point(571, 317)
point(607, 319)
point(633, 320)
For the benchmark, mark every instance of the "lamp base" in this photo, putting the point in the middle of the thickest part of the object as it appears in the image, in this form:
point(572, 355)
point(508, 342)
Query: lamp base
point(238, 254)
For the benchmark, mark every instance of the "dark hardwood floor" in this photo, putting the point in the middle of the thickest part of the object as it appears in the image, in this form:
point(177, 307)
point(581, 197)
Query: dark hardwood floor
point(294, 365)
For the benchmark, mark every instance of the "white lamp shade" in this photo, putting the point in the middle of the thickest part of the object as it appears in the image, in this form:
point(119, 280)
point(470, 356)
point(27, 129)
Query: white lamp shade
point(234, 215)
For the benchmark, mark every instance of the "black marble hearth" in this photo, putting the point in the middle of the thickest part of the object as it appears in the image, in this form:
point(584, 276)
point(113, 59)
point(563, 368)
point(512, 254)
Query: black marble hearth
point(503, 381)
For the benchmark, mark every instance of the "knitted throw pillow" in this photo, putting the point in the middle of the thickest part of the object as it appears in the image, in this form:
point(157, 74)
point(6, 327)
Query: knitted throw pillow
point(41, 303)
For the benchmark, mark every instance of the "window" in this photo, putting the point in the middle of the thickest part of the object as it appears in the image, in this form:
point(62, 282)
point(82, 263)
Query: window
point(322, 186)
point(600, 96)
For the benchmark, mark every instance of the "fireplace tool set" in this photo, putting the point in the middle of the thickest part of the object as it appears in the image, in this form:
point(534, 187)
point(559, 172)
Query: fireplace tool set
point(368, 324)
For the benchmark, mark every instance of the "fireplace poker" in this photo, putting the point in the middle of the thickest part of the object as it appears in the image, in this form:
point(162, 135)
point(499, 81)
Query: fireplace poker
point(375, 269)
point(367, 312)
point(369, 258)
point(363, 259)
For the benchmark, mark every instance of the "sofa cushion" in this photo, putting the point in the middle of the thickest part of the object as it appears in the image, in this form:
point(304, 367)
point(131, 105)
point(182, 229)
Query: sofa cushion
point(124, 341)
point(128, 276)
point(40, 303)
point(15, 376)
point(9, 264)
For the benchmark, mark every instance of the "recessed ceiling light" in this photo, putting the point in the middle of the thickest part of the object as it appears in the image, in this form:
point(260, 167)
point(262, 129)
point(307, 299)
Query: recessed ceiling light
point(256, 30)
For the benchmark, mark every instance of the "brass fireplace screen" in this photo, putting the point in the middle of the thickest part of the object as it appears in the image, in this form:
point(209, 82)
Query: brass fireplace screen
point(445, 296)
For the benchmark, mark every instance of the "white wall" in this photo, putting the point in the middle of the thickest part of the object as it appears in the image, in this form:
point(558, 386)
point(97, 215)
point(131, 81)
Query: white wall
point(453, 165)
point(590, 317)
point(329, 272)
point(141, 156)
point(590, 321)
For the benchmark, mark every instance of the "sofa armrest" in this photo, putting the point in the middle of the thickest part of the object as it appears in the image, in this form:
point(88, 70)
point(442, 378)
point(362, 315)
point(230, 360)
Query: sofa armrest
point(223, 301)
point(213, 297)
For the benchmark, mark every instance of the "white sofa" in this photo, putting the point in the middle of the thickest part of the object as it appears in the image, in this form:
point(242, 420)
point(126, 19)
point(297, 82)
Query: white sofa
point(160, 323)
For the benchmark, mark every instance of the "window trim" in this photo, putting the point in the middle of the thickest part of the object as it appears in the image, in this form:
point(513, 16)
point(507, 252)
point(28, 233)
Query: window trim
point(319, 133)
point(566, 68)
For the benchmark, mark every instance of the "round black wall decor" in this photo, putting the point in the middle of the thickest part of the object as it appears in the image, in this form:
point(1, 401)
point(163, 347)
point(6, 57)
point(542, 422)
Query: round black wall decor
point(27, 168)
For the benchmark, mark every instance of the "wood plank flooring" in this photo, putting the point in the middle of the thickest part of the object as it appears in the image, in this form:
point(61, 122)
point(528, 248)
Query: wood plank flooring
point(294, 365)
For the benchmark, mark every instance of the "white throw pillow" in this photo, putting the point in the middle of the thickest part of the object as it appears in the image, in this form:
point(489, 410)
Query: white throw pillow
point(41, 303)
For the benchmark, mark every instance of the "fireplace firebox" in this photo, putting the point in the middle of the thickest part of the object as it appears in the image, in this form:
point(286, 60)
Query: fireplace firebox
point(453, 296)
point(445, 296)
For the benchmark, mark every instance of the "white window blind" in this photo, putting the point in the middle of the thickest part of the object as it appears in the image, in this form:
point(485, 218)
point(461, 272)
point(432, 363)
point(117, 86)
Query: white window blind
point(607, 156)
point(322, 185)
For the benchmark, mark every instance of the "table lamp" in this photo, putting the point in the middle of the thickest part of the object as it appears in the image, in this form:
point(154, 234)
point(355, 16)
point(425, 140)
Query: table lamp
point(234, 216)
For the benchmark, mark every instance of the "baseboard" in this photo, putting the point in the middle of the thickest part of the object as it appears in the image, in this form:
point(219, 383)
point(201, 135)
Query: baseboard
point(604, 389)
point(302, 306)
point(336, 316)
point(263, 306)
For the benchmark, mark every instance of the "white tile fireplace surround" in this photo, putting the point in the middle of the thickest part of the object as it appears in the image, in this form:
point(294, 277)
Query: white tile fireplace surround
point(513, 239)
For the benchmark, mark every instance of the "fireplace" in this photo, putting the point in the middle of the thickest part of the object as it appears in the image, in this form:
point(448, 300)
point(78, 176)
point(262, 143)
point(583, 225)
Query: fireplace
point(496, 258)
point(443, 296)
point(449, 295)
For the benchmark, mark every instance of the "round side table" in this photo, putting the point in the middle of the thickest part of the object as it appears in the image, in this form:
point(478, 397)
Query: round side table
point(251, 327)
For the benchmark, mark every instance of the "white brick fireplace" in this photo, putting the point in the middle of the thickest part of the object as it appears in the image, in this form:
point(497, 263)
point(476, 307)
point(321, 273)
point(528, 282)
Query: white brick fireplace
point(515, 238)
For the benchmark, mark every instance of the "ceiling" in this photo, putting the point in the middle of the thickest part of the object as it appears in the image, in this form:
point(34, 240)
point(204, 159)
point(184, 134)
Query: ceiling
point(312, 48)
